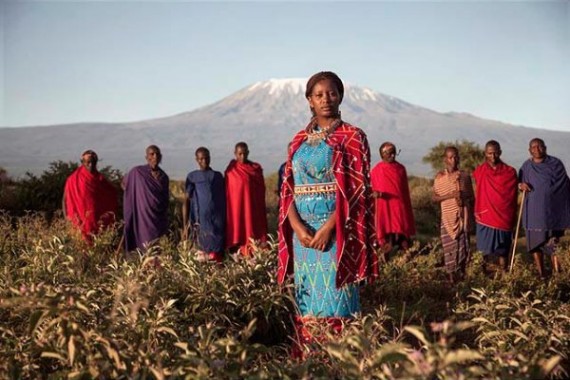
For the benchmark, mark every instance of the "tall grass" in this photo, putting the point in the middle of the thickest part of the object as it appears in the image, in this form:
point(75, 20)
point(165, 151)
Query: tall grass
point(69, 310)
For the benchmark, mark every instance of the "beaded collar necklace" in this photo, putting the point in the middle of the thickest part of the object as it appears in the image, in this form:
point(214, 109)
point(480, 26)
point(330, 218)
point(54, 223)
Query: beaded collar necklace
point(316, 134)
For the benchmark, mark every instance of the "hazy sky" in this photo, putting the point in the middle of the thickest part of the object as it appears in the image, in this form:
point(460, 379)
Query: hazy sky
point(73, 61)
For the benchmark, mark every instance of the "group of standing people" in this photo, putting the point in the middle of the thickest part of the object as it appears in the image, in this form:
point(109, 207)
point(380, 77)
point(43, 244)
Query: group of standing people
point(219, 213)
point(336, 214)
point(492, 208)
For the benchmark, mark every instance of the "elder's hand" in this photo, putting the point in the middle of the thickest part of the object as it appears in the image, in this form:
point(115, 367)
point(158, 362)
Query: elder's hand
point(523, 186)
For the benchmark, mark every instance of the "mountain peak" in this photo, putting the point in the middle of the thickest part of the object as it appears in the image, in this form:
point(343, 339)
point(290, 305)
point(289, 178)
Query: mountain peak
point(274, 86)
point(361, 93)
point(296, 86)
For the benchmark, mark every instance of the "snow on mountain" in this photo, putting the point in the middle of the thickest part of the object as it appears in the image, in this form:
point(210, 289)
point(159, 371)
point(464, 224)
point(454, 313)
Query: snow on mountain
point(276, 87)
point(265, 114)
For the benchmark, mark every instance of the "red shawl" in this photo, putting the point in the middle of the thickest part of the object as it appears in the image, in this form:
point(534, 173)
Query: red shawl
point(245, 210)
point(496, 196)
point(90, 200)
point(354, 229)
point(394, 210)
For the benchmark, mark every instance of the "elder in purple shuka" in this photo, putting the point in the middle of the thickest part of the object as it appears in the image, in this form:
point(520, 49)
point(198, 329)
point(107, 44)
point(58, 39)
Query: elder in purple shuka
point(145, 204)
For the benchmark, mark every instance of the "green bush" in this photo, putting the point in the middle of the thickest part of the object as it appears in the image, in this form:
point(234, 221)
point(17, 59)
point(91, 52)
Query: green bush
point(515, 333)
point(44, 193)
point(471, 155)
point(426, 212)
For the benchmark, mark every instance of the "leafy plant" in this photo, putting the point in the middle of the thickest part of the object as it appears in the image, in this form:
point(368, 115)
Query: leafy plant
point(471, 155)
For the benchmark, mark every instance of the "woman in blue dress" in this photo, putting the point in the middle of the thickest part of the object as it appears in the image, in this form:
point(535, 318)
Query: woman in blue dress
point(326, 229)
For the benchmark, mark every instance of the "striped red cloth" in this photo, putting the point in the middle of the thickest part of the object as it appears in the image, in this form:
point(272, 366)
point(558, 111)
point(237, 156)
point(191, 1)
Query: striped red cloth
point(455, 218)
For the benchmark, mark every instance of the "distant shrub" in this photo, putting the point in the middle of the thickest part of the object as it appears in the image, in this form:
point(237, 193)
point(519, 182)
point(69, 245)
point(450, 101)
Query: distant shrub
point(471, 155)
point(44, 193)
point(272, 203)
point(426, 212)
point(4, 178)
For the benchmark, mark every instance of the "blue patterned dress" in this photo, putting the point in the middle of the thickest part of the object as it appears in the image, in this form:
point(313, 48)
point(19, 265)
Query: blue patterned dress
point(315, 271)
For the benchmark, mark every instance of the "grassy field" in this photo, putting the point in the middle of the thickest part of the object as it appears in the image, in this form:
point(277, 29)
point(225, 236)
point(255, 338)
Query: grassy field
point(72, 311)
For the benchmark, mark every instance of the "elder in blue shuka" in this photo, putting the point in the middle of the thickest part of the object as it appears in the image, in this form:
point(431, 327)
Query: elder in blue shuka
point(205, 206)
point(546, 211)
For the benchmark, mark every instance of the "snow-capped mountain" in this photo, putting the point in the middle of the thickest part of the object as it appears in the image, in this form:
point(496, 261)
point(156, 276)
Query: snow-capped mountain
point(266, 115)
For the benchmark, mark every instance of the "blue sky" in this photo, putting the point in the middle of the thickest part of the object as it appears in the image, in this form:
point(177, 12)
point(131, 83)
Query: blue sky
point(117, 61)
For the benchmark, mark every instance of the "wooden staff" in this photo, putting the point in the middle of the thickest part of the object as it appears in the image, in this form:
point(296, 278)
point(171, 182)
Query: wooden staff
point(120, 247)
point(517, 232)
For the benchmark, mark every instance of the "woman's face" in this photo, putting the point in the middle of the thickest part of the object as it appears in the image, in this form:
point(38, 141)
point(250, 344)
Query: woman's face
point(325, 99)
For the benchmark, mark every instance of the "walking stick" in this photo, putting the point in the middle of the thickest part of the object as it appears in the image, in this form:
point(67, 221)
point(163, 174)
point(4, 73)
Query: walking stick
point(517, 232)
point(121, 244)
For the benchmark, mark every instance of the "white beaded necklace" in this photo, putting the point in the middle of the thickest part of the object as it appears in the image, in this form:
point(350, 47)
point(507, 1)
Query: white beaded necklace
point(316, 134)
